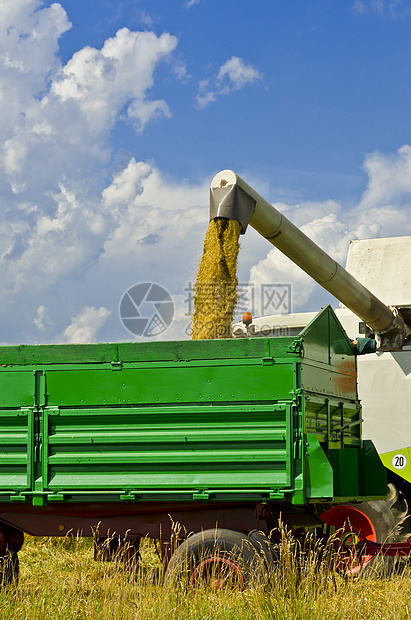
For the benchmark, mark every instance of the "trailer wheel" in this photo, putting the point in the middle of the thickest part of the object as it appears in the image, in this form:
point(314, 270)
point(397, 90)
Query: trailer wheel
point(378, 521)
point(267, 551)
point(217, 558)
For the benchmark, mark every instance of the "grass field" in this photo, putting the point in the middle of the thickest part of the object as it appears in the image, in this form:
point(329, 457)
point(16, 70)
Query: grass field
point(59, 579)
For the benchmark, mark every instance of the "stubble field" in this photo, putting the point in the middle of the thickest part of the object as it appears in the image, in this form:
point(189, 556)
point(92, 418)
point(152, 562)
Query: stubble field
point(59, 579)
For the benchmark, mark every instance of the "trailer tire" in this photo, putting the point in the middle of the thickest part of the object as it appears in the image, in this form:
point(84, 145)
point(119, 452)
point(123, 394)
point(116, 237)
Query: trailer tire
point(217, 558)
point(379, 521)
point(267, 550)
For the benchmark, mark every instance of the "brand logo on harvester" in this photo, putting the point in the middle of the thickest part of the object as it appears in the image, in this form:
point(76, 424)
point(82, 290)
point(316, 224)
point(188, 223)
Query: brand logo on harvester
point(146, 309)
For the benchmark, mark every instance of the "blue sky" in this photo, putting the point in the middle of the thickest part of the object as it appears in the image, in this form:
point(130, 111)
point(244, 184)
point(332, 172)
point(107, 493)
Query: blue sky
point(115, 116)
point(335, 86)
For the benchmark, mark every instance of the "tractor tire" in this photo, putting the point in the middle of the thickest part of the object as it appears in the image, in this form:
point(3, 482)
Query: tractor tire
point(380, 521)
point(216, 558)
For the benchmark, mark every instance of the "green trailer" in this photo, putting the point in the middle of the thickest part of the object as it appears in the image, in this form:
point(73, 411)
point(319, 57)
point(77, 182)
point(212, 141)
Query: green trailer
point(123, 439)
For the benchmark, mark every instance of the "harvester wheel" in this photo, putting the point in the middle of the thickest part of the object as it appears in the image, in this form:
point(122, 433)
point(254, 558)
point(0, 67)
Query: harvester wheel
point(379, 521)
point(216, 558)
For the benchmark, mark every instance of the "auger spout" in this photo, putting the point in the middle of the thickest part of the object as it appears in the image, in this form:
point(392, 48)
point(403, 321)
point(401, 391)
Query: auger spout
point(232, 198)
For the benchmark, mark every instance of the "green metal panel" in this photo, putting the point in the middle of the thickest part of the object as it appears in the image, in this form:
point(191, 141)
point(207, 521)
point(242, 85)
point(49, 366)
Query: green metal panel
point(213, 448)
point(32, 355)
point(329, 380)
point(17, 442)
point(319, 473)
point(177, 383)
point(345, 466)
point(325, 340)
point(372, 473)
point(172, 351)
point(16, 388)
point(328, 358)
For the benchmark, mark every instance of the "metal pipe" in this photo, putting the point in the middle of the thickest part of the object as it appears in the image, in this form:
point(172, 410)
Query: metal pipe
point(226, 186)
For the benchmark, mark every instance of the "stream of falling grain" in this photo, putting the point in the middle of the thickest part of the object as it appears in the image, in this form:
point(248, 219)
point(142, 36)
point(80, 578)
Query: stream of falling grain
point(215, 290)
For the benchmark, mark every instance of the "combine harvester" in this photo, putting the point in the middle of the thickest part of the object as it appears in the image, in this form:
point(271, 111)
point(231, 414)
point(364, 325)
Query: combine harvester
point(225, 436)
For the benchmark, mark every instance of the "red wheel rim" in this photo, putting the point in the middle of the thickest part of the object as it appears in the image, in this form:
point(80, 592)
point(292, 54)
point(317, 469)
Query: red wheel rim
point(219, 572)
point(348, 519)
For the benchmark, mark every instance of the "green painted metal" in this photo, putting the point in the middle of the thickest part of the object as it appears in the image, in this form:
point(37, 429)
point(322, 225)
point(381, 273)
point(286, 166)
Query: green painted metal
point(238, 420)
point(319, 473)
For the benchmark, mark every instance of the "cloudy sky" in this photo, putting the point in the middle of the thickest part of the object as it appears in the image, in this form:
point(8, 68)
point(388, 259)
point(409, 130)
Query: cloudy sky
point(116, 114)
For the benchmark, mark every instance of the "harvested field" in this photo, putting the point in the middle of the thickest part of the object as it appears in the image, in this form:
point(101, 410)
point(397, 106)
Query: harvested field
point(60, 580)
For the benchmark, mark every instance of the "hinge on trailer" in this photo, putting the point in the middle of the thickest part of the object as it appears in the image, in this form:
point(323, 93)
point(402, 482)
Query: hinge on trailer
point(17, 497)
point(201, 494)
point(55, 497)
point(268, 361)
point(298, 392)
point(128, 496)
point(276, 495)
point(116, 365)
point(53, 410)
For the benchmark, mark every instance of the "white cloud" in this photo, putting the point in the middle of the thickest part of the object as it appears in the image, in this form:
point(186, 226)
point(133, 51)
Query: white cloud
point(359, 6)
point(146, 19)
point(42, 319)
point(160, 225)
point(191, 3)
point(391, 8)
point(85, 326)
point(389, 178)
point(28, 44)
point(237, 74)
point(232, 75)
point(277, 269)
point(84, 100)
point(126, 184)
point(103, 81)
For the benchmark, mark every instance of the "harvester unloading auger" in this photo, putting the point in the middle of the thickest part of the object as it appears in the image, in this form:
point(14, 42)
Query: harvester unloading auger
point(232, 198)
